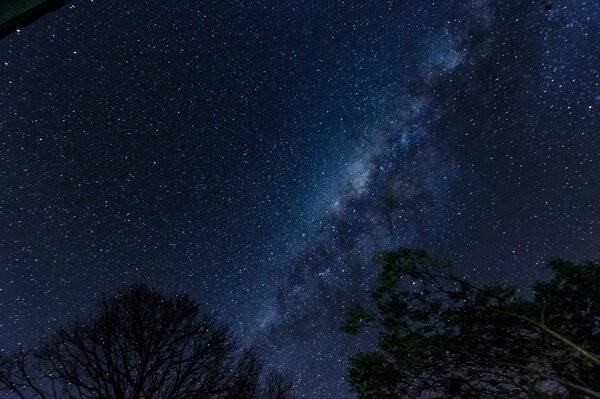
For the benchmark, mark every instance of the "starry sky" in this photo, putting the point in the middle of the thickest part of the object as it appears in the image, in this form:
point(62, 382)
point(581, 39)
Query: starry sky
point(256, 154)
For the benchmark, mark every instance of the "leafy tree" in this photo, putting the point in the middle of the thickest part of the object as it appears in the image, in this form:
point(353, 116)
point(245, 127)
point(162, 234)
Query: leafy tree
point(142, 345)
point(440, 336)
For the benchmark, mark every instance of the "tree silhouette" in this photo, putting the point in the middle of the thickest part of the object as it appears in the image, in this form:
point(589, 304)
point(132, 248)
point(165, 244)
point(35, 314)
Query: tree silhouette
point(441, 337)
point(142, 345)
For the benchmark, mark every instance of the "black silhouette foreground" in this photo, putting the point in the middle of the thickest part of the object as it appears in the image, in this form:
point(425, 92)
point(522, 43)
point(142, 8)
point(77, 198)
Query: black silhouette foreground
point(15, 14)
point(142, 345)
point(439, 336)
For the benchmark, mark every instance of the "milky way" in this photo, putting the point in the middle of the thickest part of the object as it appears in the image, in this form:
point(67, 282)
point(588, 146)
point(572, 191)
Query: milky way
point(395, 190)
point(256, 155)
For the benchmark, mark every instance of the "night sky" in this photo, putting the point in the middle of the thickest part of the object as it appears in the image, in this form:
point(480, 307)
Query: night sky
point(256, 154)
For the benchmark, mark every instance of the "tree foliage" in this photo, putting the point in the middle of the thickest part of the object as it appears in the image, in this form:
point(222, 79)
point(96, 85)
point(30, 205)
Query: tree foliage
point(440, 336)
point(142, 345)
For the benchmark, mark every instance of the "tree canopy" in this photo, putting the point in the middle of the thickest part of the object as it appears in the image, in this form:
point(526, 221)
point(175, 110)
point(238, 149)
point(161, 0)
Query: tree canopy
point(439, 336)
point(141, 345)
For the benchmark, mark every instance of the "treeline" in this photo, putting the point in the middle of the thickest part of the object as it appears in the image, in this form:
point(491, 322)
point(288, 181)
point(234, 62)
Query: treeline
point(141, 345)
point(438, 336)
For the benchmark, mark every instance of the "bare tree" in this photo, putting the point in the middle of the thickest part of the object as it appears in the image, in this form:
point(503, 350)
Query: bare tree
point(142, 345)
point(276, 386)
